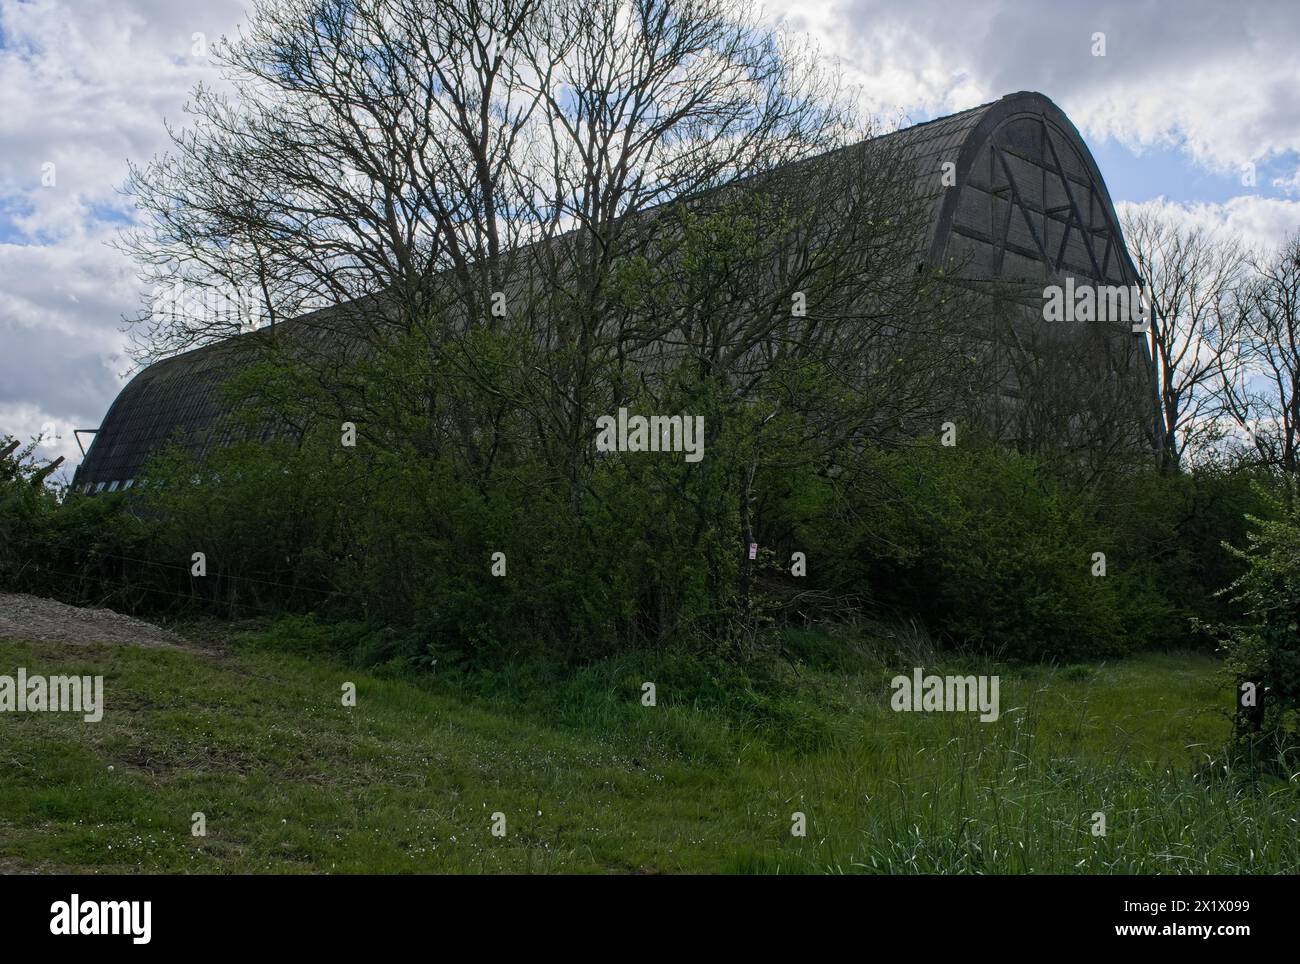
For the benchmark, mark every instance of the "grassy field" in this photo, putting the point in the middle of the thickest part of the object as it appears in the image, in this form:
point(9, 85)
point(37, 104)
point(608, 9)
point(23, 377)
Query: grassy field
point(590, 780)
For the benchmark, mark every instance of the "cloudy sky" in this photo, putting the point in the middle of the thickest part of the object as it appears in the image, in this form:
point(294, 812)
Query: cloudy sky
point(1191, 98)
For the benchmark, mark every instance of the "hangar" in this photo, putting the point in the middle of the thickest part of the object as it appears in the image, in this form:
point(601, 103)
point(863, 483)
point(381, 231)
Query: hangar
point(1012, 191)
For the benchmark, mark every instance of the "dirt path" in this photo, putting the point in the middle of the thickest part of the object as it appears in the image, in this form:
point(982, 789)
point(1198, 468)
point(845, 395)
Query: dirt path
point(30, 617)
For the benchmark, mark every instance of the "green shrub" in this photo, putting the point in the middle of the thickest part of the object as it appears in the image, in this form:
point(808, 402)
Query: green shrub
point(77, 549)
point(991, 551)
point(1178, 527)
point(1263, 649)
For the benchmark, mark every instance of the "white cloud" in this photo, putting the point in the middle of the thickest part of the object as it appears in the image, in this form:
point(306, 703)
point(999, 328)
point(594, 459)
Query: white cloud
point(1288, 185)
point(1217, 79)
point(86, 85)
point(1260, 223)
point(83, 85)
point(28, 421)
point(61, 305)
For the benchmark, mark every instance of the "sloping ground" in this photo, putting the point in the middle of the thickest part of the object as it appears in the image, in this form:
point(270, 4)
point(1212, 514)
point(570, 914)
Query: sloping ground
point(30, 617)
point(587, 779)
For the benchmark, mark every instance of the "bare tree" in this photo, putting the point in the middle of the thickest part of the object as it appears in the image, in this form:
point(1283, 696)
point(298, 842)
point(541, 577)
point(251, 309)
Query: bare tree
point(366, 147)
point(554, 207)
point(430, 167)
point(1264, 397)
point(1189, 278)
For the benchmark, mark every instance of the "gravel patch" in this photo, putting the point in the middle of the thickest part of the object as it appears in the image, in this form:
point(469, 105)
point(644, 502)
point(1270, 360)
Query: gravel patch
point(30, 617)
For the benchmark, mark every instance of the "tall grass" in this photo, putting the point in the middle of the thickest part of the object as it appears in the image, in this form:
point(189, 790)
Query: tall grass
point(591, 780)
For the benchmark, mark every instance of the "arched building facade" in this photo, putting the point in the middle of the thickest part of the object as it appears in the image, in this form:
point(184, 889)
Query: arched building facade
point(1015, 198)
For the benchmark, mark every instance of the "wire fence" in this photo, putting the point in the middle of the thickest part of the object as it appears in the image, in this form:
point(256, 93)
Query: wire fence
point(116, 585)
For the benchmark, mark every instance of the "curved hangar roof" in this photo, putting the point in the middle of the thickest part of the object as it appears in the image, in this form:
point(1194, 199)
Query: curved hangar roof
point(1028, 204)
